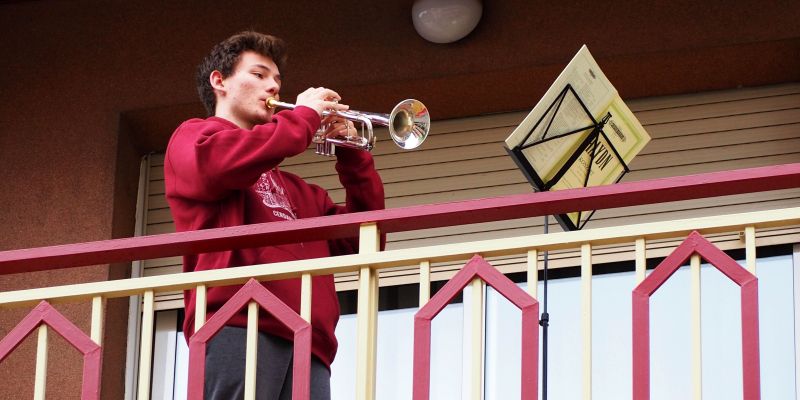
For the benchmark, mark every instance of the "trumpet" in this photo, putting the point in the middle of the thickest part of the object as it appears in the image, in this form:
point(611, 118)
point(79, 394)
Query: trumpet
point(408, 123)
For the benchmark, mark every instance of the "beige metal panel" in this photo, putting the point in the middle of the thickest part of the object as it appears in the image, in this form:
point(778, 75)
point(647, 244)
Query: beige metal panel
point(655, 103)
point(456, 195)
point(602, 218)
point(156, 187)
point(165, 270)
point(162, 262)
point(723, 165)
point(695, 134)
point(157, 201)
point(723, 108)
point(454, 183)
point(427, 171)
point(157, 159)
point(465, 159)
point(436, 156)
point(159, 215)
point(158, 229)
point(733, 122)
point(156, 172)
point(764, 142)
point(467, 135)
point(456, 175)
point(699, 156)
point(728, 137)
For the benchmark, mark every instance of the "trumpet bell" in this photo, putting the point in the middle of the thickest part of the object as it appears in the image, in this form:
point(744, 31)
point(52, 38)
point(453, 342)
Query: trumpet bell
point(409, 123)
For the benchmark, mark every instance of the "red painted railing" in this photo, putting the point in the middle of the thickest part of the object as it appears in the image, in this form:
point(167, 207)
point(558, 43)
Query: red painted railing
point(45, 314)
point(396, 220)
point(477, 267)
point(696, 244)
point(253, 291)
point(406, 218)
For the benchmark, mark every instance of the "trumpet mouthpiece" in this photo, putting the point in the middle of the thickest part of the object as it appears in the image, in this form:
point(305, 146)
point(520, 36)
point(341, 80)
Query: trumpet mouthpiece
point(271, 102)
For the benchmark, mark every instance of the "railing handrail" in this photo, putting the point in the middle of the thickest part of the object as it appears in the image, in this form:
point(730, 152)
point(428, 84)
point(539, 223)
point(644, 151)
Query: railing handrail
point(651, 191)
point(403, 257)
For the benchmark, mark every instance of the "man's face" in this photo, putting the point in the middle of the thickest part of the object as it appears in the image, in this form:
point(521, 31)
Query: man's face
point(254, 79)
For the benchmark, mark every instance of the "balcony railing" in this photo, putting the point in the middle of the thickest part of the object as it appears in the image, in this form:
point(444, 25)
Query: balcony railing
point(368, 226)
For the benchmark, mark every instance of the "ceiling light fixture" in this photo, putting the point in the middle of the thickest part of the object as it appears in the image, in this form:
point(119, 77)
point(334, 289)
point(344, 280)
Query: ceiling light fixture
point(445, 21)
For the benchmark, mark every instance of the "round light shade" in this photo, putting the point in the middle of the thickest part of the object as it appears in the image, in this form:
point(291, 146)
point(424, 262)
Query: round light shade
point(445, 21)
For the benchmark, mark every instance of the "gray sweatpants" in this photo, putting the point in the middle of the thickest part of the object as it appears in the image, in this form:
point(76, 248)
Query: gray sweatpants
point(225, 363)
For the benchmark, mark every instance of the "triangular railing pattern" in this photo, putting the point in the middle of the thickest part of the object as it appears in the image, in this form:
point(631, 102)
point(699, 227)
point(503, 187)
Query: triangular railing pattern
point(44, 313)
point(253, 291)
point(696, 244)
point(478, 267)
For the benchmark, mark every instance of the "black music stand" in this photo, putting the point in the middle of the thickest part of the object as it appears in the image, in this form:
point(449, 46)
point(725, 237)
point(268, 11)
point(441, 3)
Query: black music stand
point(592, 140)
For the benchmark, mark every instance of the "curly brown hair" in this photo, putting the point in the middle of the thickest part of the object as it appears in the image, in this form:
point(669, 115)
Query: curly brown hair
point(226, 54)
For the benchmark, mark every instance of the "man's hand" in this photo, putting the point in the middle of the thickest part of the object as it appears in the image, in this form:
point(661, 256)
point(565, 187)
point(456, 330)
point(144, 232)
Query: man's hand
point(337, 126)
point(320, 99)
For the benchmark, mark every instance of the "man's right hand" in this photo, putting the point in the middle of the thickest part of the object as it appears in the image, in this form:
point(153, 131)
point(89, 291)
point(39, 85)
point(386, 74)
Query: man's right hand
point(320, 99)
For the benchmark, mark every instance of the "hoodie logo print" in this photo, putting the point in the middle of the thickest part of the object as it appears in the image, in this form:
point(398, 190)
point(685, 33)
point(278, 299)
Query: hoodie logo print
point(274, 196)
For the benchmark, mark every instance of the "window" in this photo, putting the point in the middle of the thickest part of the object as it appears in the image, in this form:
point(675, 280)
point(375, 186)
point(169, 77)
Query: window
point(611, 347)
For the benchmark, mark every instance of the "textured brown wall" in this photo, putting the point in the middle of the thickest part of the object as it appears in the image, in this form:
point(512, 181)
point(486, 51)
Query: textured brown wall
point(90, 86)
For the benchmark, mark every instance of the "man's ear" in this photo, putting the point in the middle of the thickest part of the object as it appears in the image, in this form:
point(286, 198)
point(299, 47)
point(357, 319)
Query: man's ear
point(216, 80)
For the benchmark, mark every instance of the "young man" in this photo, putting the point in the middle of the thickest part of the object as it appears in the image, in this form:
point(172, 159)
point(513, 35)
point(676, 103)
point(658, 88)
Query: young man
point(223, 171)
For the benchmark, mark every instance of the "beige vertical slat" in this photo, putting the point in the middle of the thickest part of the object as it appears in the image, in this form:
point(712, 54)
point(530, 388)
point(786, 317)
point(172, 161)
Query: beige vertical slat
point(586, 318)
point(533, 272)
point(373, 329)
point(477, 339)
point(796, 281)
point(97, 320)
point(364, 388)
point(369, 240)
point(146, 347)
point(40, 380)
point(366, 319)
point(424, 282)
point(641, 260)
point(697, 360)
point(305, 297)
point(251, 354)
point(750, 248)
point(200, 304)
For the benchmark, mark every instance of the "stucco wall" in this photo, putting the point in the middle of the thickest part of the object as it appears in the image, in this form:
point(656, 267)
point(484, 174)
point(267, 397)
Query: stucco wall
point(88, 87)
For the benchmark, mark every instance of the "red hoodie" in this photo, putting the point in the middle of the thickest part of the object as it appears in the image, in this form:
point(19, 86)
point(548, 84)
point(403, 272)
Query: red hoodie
point(218, 175)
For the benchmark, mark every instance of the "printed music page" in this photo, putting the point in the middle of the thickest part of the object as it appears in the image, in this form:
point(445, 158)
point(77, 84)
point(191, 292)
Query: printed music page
point(559, 112)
